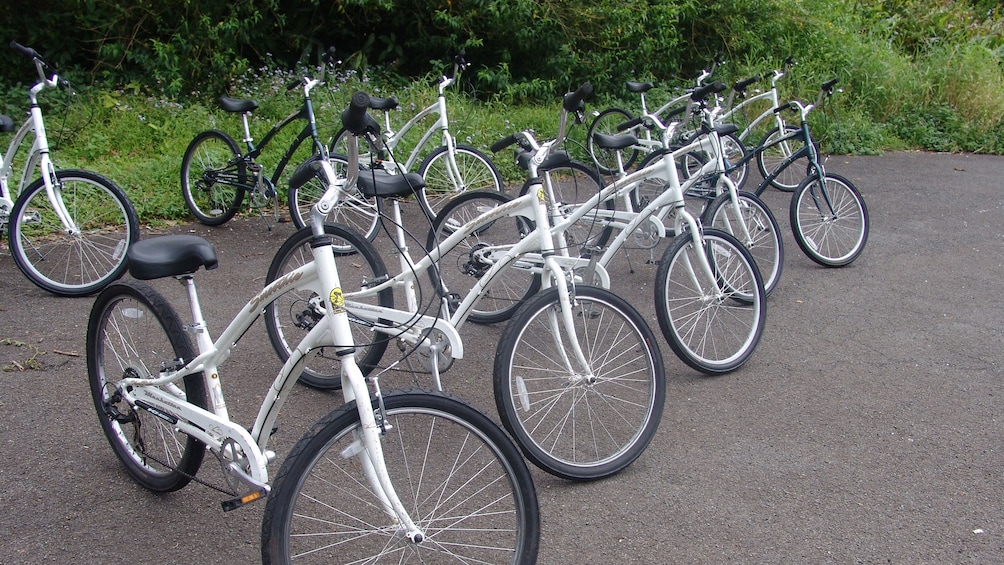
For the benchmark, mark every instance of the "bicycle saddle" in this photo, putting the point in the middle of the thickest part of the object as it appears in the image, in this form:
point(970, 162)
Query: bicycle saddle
point(639, 86)
point(6, 124)
point(237, 105)
point(616, 141)
point(555, 159)
point(377, 183)
point(170, 255)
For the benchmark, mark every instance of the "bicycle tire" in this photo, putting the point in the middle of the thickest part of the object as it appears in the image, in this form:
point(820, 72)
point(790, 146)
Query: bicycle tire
point(573, 425)
point(463, 266)
point(734, 150)
point(353, 209)
point(696, 196)
point(712, 331)
point(765, 246)
point(132, 330)
point(770, 157)
point(477, 172)
point(301, 149)
point(289, 317)
point(606, 122)
point(460, 477)
point(822, 238)
point(212, 175)
point(574, 184)
point(77, 264)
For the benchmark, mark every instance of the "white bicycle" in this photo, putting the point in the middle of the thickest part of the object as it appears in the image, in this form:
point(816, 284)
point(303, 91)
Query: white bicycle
point(578, 380)
point(449, 168)
point(69, 229)
point(403, 476)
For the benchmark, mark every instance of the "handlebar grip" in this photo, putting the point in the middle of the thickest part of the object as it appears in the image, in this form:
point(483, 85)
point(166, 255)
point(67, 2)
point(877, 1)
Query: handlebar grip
point(354, 117)
point(629, 124)
point(503, 143)
point(26, 51)
point(292, 86)
point(787, 106)
point(828, 85)
point(573, 100)
point(702, 92)
point(306, 171)
point(741, 85)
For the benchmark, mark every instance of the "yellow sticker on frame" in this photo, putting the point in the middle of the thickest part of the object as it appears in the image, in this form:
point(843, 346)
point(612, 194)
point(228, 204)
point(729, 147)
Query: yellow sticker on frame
point(337, 300)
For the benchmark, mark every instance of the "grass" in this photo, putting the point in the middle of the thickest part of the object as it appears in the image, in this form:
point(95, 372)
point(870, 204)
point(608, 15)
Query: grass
point(945, 99)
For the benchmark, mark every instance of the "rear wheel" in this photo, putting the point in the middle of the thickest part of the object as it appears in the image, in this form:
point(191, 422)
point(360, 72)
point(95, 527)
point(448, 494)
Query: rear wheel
point(462, 266)
point(212, 173)
point(294, 313)
point(574, 184)
point(606, 123)
point(132, 333)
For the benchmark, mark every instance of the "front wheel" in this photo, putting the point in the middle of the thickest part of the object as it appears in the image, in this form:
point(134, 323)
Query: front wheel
point(78, 262)
point(443, 182)
point(750, 220)
point(580, 422)
point(712, 313)
point(296, 311)
point(829, 220)
point(459, 476)
point(212, 175)
point(133, 332)
point(353, 208)
point(774, 153)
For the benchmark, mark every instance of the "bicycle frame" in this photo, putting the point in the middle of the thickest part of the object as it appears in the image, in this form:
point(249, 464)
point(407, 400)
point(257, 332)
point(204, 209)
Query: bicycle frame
point(393, 138)
point(769, 95)
point(214, 427)
point(38, 154)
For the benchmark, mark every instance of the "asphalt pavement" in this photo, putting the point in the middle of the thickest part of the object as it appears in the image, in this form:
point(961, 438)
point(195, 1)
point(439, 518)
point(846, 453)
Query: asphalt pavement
point(866, 428)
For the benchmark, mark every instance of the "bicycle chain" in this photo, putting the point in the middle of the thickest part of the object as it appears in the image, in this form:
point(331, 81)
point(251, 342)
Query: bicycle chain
point(189, 476)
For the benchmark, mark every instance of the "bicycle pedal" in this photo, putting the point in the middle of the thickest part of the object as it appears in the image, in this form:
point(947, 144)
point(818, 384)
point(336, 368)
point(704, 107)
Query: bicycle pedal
point(235, 503)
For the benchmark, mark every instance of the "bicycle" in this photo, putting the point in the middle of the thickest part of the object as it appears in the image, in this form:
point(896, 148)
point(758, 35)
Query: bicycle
point(773, 153)
point(69, 229)
point(828, 215)
point(603, 373)
point(216, 176)
point(710, 299)
point(408, 474)
point(449, 169)
point(715, 196)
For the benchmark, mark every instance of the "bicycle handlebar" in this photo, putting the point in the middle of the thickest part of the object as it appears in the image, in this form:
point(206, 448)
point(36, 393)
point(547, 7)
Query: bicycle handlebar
point(354, 117)
point(503, 143)
point(702, 92)
point(26, 51)
point(573, 101)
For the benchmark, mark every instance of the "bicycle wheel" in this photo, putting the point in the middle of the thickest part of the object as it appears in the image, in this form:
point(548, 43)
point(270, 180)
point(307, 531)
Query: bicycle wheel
point(764, 242)
point(606, 122)
point(476, 170)
point(574, 184)
point(296, 311)
point(459, 476)
point(462, 266)
point(78, 263)
point(133, 332)
point(713, 325)
point(212, 173)
point(733, 151)
point(697, 194)
point(831, 225)
point(353, 208)
point(580, 423)
point(770, 157)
